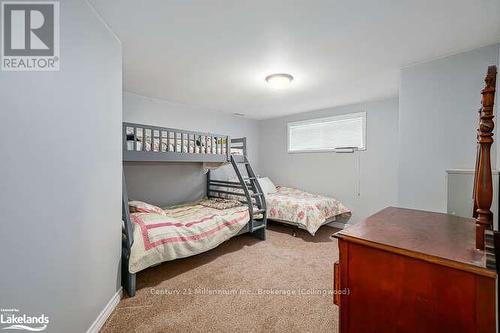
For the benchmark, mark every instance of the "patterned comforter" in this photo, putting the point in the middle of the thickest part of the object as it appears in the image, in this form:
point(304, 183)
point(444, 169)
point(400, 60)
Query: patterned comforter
point(308, 211)
point(185, 231)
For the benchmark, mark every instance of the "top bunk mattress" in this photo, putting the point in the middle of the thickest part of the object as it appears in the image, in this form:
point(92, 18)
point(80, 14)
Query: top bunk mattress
point(306, 210)
point(182, 232)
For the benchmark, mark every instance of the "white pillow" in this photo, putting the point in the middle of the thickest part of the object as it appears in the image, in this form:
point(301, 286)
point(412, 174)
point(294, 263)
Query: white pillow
point(267, 185)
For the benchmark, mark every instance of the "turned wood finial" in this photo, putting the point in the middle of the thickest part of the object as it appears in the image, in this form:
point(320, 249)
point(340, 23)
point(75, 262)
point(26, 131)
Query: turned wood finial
point(483, 187)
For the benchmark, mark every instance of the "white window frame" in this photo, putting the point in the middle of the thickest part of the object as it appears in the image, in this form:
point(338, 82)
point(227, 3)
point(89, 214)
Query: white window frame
point(326, 119)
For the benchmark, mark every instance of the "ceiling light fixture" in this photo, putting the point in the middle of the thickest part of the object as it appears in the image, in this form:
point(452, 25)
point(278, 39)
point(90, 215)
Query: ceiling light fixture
point(279, 81)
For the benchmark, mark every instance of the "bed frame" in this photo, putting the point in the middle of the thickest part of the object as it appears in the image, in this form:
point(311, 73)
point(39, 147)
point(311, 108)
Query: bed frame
point(333, 221)
point(146, 143)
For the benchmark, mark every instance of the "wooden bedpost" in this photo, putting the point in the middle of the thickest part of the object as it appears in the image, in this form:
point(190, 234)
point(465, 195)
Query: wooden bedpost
point(483, 187)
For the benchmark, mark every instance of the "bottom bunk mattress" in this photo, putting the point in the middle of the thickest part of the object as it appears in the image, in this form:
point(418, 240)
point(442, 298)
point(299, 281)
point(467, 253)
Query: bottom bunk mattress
point(306, 210)
point(181, 232)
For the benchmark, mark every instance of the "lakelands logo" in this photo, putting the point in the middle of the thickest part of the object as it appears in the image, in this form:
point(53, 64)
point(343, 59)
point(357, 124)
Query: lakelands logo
point(30, 36)
point(12, 319)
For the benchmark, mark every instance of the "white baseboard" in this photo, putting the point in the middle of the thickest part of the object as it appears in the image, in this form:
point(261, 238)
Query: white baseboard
point(106, 312)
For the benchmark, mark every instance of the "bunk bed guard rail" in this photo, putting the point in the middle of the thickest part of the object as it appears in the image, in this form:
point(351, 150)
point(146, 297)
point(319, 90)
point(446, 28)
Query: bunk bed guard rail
point(239, 146)
point(146, 143)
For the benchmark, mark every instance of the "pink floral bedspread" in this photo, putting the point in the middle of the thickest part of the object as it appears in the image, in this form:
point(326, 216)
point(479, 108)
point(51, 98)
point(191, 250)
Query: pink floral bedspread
point(309, 211)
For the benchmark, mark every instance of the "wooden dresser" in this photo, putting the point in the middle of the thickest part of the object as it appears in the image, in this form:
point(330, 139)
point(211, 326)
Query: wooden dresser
point(413, 271)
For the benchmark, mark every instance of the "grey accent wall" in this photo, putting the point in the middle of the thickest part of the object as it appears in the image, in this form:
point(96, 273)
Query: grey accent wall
point(175, 183)
point(61, 178)
point(337, 174)
point(438, 118)
point(165, 184)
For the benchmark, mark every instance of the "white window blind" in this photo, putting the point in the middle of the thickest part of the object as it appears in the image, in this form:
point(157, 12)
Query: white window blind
point(326, 134)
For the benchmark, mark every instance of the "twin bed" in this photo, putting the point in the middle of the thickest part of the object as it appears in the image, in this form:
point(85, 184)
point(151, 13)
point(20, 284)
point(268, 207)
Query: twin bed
point(152, 235)
point(302, 209)
point(296, 207)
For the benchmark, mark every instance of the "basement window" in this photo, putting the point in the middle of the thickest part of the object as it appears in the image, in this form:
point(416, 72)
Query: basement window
point(346, 131)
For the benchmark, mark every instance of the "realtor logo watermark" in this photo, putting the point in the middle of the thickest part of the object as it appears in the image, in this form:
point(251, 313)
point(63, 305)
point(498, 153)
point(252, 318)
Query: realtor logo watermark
point(13, 319)
point(30, 36)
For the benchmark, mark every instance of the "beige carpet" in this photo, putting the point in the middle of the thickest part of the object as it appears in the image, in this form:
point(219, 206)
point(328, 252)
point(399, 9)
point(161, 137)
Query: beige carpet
point(167, 298)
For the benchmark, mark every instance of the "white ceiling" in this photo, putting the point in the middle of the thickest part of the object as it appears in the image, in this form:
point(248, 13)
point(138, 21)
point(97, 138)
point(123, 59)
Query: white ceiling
point(215, 54)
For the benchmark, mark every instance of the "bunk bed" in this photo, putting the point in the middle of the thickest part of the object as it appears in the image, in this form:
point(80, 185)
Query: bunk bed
point(152, 235)
point(296, 207)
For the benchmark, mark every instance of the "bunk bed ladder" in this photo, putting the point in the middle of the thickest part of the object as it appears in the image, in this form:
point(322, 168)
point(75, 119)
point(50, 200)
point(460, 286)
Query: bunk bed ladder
point(253, 191)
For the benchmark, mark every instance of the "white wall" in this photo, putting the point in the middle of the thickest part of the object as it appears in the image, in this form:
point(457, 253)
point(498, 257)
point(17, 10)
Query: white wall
point(438, 118)
point(335, 174)
point(60, 178)
point(185, 182)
